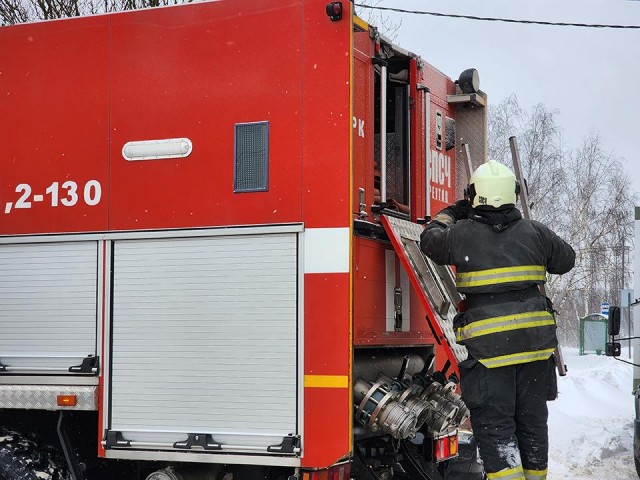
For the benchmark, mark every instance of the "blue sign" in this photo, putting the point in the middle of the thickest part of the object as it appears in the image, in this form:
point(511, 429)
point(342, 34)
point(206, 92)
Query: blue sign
point(604, 309)
point(626, 297)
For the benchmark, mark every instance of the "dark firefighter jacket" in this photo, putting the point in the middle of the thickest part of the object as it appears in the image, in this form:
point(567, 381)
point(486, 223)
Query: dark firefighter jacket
point(500, 259)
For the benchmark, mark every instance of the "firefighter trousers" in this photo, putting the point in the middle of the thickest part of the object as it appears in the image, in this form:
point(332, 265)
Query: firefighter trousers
point(509, 416)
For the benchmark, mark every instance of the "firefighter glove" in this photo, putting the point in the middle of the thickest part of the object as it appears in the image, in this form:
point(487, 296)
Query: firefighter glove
point(459, 210)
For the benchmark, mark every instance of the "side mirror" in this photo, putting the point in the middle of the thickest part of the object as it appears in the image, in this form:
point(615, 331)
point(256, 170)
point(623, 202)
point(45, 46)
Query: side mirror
point(613, 349)
point(613, 323)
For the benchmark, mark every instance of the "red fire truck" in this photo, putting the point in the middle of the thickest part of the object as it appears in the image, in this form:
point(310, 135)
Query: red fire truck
point(209, 266)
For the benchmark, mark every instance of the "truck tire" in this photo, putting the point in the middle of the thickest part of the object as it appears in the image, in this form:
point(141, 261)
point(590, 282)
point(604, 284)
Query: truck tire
point(23, 458)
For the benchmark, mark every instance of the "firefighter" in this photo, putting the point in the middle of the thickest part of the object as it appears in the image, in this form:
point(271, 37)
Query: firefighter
point(508, 327)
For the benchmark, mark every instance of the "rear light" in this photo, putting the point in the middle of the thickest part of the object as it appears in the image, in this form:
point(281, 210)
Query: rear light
point(334, 11)
point(67, 400)
point(337, 472)
point(445, 447)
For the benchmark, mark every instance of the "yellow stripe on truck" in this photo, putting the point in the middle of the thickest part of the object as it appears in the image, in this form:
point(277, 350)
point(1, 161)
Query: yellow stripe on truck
point(326, 381)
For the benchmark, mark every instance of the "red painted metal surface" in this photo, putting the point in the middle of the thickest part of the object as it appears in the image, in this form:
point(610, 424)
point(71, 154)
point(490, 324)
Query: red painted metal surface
point(325, 428)
point(326, 201)
point(209, 75)
point(196, 72)
point(54, 86)
point(417, 134)
point(442, 163)
point(369, 309)
point(83, 88)
point(326, 343)
point(327, 351)
point(326, 124)
point(362, 120)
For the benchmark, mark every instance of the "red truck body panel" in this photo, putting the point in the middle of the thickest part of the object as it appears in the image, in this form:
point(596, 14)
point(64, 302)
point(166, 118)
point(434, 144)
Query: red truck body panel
point(184, 72)
point(74, 92)
point(55, 111)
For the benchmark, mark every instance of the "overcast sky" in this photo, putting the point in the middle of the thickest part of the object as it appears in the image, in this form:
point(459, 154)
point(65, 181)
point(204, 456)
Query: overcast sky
point(588, 74)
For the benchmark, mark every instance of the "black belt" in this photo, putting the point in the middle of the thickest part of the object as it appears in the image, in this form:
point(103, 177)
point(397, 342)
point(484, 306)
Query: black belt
point(484, 299)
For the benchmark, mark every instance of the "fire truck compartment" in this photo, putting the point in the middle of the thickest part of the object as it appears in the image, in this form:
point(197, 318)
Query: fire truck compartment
point(205, 343)
point(48, 308)
point(435, 284)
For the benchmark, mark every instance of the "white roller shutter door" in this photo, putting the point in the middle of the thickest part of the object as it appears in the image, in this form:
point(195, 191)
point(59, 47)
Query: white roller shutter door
point(48, 305)
point(204, 335)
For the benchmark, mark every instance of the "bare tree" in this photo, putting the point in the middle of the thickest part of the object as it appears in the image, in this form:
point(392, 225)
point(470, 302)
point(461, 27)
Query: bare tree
point(20, 11)
point(365, 9)
point(12, 12)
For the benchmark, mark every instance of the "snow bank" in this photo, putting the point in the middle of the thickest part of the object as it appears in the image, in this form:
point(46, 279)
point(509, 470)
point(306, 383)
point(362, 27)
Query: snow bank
point(591, 422)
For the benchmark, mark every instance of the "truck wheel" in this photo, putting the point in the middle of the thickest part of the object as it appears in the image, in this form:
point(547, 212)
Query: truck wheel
point(23, 458)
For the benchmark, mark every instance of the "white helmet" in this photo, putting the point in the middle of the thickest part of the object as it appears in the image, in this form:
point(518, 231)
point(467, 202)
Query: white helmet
point(492, 184)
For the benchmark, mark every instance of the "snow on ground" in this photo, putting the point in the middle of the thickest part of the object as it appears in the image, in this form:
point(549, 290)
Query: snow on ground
point(591, 422)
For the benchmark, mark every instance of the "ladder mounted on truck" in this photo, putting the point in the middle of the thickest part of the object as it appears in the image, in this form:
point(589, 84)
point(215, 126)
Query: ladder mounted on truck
point(434, 284)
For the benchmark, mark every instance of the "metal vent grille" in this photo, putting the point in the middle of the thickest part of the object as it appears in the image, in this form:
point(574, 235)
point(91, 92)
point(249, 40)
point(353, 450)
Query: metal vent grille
point(251, 169)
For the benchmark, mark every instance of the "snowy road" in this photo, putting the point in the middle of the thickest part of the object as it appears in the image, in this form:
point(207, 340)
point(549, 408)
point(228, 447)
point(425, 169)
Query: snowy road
point(591, 423)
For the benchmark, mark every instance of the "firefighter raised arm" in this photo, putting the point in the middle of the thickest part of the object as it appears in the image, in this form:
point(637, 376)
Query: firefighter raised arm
point(508, 326)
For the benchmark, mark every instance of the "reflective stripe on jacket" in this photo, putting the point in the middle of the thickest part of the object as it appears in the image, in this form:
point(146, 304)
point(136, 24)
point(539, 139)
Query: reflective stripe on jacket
point(493, 276)
point(508, 333)
point(504, 323)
